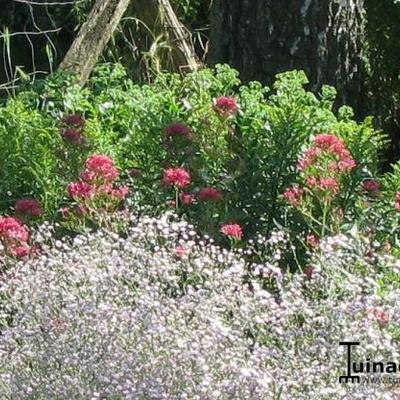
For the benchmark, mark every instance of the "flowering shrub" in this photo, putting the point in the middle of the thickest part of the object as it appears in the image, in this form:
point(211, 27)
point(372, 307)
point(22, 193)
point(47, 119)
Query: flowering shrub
point(244, 141)
point(163, 313)
point(324, 170)
point(96, 195)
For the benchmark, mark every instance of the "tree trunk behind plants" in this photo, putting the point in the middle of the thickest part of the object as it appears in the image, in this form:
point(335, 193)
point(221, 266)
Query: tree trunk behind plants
point(264, 37)
point(160, 18)
point(93, 37)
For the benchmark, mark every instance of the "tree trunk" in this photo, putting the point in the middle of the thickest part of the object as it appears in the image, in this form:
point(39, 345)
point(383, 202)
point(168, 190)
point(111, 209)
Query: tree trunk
point(93, 37)
point(160, 18)
point(264, 37)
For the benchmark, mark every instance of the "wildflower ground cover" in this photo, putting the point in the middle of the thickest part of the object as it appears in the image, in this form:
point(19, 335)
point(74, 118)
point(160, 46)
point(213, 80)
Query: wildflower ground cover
point(163, 313)
point(192, 239)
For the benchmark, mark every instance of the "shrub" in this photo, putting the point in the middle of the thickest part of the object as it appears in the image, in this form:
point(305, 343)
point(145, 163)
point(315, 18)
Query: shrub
point(243, 141)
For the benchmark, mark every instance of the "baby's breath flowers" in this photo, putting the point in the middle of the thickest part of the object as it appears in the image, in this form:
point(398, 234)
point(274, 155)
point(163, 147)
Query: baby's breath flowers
point(162, 313)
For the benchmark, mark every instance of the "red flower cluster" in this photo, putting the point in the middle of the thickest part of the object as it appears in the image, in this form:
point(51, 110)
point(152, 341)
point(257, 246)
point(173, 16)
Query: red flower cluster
point(397, 201)
point(178, 177)
point(371, 186)
point(97, 181)
point(312, 240)
point(100, 167)
point(187, 198)
point(80, 190)
point(72, 135)
point(177, 129)
point(234, 231)
point(73, 129)
point(210, 194)
point(330, 145)
point(226, 106)
point(381, 316)
point(293, 195)
point(181, 251)
point(330, 184)
point(75, 120)
point(29, 206)
point(14, 236)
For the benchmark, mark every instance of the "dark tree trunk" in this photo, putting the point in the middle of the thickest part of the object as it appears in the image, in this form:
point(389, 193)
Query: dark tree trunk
point(264, 37)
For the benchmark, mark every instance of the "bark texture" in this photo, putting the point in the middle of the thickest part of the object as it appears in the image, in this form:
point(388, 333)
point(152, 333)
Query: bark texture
point(93, 37)
point(161, 19)
point(265, 37)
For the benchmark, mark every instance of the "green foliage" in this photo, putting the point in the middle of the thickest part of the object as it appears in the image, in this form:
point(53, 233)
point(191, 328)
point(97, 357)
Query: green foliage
point(250, 157)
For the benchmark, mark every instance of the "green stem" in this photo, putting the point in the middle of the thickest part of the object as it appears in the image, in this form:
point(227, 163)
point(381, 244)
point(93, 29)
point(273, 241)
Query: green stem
point(176, 199)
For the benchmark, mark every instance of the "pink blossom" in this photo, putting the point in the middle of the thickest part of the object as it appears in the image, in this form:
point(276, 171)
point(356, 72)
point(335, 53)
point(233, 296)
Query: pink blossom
point(73, 136)
point(330, 145)
point(371, 185)
point(234, 231)
point(178, 129)
point(20, 251)
point(397, 201)
point(312, 181)
point(312, 240)
point(101, 167)
point(74, 120)
point(181, 251)
point(226, 105)
point(293, 195)
point(327, 140)
point(12, 229)
point(65, 212)
point(80, 190)
point(329, 184)
point(178, 177)
point(81, 209)
point(29, 206)
point(120, 193)
point(88, 176)
point(210, 194)
point(380, 315)
point(187, 198)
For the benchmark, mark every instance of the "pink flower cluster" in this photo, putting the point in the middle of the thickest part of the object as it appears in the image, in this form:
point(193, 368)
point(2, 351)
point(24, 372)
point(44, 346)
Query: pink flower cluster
point(72, 132)
point(210, 194)
point(226, 105)
point(97, 181)
point(74, 120)
point(330, 184)
point(177, 129)
point(328, 145)
point(312, 240)
point(206, 194)
point(322, 166)
point(233, 231)
point(293, 195)
point(80, 190)
point(100, 168)
point(29, 207)
point(397, 201)
point(371, 186)
point(177, 177)
point(14, 237)
point(379, 315)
